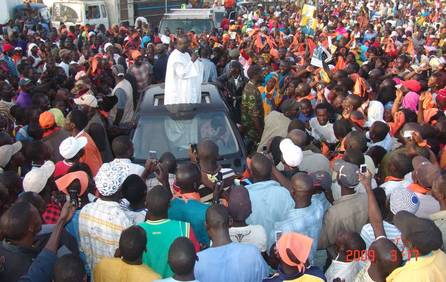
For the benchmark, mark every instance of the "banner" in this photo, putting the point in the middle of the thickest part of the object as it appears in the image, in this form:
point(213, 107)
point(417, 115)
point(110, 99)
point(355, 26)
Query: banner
point(308, 22)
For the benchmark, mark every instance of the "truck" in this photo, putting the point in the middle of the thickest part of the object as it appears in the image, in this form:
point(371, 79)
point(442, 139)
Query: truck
point(7, 11)
point(109, 12)
point(196, 20)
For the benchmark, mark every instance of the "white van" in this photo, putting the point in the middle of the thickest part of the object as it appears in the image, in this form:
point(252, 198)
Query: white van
point(79, 13)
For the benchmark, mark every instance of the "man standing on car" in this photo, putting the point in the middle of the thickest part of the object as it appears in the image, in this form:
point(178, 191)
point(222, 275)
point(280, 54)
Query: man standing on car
point(184, 75)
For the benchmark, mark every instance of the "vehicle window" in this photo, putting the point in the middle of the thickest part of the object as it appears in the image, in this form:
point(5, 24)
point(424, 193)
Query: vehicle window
point(196, 25)
point(93, 12)
point(163, 134)
point(66, 12)
point(104, 11)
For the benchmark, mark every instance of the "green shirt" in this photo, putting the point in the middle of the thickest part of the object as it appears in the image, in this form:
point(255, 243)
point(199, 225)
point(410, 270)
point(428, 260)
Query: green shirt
point(160, 235)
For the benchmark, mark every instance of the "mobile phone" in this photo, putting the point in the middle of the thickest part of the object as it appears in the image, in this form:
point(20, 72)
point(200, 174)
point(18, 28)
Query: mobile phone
point(363, 169)
point(408, 134)
point(278, 235)
point(73, 197)
point(398, 86)
point(194, 148)
point(152, 155)
point(264, 149)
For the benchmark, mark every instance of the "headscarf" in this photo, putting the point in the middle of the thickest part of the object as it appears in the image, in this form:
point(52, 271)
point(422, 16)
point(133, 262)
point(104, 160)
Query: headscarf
point(410, 101)
point(58, 116)
point(441, 97)
point(268, 97)
point(30, 47)
point(375, 112)
point(299, 245)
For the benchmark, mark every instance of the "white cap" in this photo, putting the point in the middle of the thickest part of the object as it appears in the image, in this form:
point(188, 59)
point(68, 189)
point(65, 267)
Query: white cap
point(291, 154)
point(36, 179)
point(71, 146)
point(7, 151)
point(87, 99)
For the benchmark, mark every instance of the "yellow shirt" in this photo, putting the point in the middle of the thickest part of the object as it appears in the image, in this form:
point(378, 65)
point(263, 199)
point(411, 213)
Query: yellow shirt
point(115, 270)
point(428, 268)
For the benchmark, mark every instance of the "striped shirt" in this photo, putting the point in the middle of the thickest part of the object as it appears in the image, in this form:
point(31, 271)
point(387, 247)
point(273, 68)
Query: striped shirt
point(392, 233)
point(206, 193)
point(100, 226)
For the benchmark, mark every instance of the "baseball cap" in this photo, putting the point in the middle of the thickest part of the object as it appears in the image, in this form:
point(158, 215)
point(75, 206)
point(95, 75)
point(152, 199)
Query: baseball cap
point(404, 200)
point(7, 151)
point(424, 171)
point(46, 120)
point(422, 233)
point(118, 70)
point(63, 182)
point(7, 47)
point(321, 179)
point(298, 244)
point(36, 179)
point(110, 177)
point(292, 154)
point(347, 173)
point(412, 85)
point(87, 99)
point(71, 146)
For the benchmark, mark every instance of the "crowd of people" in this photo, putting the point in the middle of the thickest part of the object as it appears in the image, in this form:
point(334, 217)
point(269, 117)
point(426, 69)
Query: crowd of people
point(343, 117)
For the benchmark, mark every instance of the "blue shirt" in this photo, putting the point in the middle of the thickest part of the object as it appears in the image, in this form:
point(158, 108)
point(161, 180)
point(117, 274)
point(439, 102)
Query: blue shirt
point(191, 211)
point(303, 118)
point(270, 204)
point(233, 262)
point(306, 221)
point(41, 270)
point(209, 71)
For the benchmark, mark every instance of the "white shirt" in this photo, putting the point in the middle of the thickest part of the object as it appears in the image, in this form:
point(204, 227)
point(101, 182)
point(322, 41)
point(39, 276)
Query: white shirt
point(66, 68)
point(251, 234)
point(345, 270)
point(183, 79)
point(322, 132)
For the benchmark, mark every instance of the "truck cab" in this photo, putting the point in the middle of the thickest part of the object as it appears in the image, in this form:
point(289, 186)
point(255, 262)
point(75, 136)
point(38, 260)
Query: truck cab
point(196, 20)
point(72, 13)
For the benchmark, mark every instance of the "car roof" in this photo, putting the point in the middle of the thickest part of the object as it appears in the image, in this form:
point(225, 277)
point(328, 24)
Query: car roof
point(152, 101)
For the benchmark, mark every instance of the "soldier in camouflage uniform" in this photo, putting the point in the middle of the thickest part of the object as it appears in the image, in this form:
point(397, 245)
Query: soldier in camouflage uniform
point(251, 108)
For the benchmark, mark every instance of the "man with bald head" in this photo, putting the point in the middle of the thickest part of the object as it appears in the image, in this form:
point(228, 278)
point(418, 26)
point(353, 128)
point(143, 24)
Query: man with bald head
point(311, 161)
point(270, 201)
point(384, 257)
point(186, 205)
point(184, 75)
point(307, 214)
point(226, 260)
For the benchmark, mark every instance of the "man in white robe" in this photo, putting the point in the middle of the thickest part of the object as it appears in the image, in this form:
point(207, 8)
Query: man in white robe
point(184, 75)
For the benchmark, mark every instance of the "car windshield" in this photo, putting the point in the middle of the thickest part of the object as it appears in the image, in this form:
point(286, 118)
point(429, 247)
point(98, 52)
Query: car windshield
point(164, 134)
point(66, 12)
point(195, 25)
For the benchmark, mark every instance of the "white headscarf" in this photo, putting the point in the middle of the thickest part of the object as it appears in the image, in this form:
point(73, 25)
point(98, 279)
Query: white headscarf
point(374, 113)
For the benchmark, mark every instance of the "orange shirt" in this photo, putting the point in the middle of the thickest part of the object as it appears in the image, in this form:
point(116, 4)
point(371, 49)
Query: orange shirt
point(92, 156)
